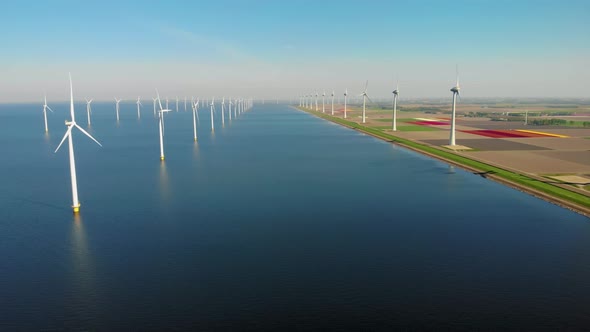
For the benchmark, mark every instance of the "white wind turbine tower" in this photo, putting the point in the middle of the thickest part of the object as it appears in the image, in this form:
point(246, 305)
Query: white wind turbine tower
point(395, 94)
point(365, 97)
point(324, 102)
point(316, 102)
point(117, 107)
point(194, 107)
point(138, 102)
point(223, 111)
point(154, 99)
point(185, 103)
point(176, 103)
point(229, 109)
point(161, 125)
point(88, 109)
point(71, 124)
point(345, 96)
point(332, 102)
point(45, 108)
point(235, 108)
point(455, 91)
point(212, 109)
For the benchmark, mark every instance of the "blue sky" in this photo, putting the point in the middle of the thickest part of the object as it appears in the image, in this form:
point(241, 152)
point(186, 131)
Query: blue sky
point(280, 48)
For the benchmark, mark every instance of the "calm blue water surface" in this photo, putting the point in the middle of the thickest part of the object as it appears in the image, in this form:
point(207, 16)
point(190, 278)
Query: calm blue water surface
point(278, 221)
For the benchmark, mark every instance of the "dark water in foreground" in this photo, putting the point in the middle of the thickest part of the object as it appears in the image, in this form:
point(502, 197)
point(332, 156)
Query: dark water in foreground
point(278, 221)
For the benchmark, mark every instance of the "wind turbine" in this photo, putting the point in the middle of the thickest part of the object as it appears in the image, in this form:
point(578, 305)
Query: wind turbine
point(154, 99)
point(176, 103)
point(138, 102)
point(194, 106)
point(212, 109)
point(223, 111)
point(88, 109)
point(161, 125)
point(235, 109)
point(365, 97)
point(345, 94)
point(117, 107)
point(71, 124)
point(45, 108)
point(395, 94)
point(324, 102)
point(166, 102)
point(185, 103)
point(455, 91)
point(316, 102)
point(229, 109)
point(332, 102)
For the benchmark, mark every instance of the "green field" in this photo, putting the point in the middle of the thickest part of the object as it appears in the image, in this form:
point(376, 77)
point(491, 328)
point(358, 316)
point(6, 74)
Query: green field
point(520, 179)
point(407, 128)
point(416, 128)
point(398, 120)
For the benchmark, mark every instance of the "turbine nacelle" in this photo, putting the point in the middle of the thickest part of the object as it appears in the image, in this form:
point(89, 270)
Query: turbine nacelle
point(395, 92)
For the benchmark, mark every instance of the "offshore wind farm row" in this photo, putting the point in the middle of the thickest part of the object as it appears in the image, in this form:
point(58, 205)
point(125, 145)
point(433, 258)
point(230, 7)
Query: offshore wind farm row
point(239, 106)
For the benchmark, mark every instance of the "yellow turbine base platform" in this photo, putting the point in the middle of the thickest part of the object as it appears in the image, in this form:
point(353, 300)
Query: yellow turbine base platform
point(162, 158)
point(76, 208)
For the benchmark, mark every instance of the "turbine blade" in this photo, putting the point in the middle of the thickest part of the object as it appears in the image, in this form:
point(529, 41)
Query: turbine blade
point(68, 132)
point(366, 85)
point(49, 108)
point(158, 97)
point(87, 134)
point(71, 99)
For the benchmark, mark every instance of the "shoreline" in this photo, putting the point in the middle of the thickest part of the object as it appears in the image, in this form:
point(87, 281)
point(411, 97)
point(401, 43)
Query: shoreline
point(582, 209)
